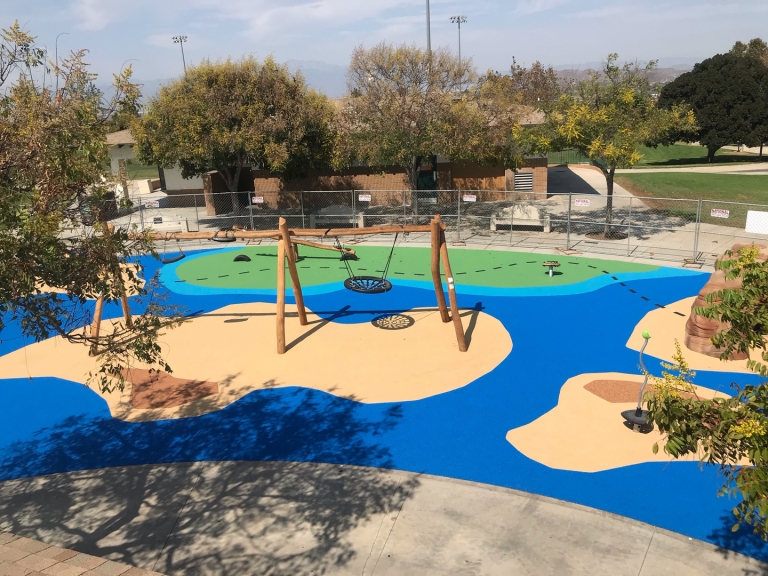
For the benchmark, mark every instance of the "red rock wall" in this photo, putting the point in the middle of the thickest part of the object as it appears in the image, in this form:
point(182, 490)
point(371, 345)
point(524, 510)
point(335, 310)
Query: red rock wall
point(700, 330)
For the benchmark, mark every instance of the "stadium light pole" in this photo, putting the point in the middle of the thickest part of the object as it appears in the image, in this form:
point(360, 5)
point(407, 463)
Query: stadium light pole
point(459, 20)
point(180, 40)
point(429, 39)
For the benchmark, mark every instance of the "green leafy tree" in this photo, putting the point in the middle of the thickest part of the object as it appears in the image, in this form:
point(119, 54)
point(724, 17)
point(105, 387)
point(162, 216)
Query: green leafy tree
point(729, 96)
point(227, 115)
point(52, 150)
point(609, 116)
point(407, 104)
point(730, 433)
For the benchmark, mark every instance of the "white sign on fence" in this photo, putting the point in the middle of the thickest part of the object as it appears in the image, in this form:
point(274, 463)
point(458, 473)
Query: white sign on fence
point(719, 213)
point(469, 198)
point(363, 197)
point(258, 199)
point(757, 222)
point(582, 201)
point(151, 203)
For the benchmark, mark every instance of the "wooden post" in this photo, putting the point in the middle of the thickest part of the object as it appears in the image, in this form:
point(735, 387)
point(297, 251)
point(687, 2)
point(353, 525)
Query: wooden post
point(126, 310)
point(96, 326)
point(460, 338)
point(435, 226)
point(289, 252)
point(110, 228)
point(280, 315)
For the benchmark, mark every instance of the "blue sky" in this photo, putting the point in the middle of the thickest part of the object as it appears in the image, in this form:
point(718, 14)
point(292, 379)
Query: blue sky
point(557, 32)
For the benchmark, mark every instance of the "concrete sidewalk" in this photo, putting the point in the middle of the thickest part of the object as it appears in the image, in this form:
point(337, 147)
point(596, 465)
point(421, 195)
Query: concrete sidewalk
point(296, 518)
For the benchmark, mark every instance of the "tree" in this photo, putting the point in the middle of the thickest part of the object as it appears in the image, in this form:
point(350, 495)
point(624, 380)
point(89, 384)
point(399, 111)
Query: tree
point(609, 116)
point(228, 115)
point(407, 104)
point(725, 432)
point(729, 95)
point(537, 86)
point(755, 48)
point(52, 150)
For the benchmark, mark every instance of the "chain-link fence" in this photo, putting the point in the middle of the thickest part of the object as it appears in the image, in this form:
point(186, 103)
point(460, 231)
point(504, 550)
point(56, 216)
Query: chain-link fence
point(668, 229)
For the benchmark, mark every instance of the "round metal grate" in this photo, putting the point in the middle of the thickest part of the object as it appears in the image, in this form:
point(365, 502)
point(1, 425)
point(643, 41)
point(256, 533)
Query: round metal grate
point(393, 322)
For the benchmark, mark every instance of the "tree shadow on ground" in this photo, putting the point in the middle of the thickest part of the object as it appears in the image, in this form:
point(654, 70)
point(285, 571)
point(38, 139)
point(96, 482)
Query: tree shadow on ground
point(239, 515)
point(742, 541)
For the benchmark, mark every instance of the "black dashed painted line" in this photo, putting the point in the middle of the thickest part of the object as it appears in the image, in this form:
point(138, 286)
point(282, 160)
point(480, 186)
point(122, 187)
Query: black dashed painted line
point(573, 263)
point(644, 298)
point(633, 291)
point(180, 280)
point(513, 264)
point(324, 267)
point(246, 272)
point(401, 273)
point(366, 269)
point(202, 278)
point(264, 270)
point(680, 314)
point(497, 268)
point(622, 283)
point(457, 273)
point(479, 270)
point(224, 276)
point(660, 305)
point(531, 262)
point(417, 274)
point(614, 277)
point(605, 272)
point(595, 267)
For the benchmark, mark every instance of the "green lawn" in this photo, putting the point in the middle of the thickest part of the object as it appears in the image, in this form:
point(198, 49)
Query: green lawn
point(137, 171)
point(685, 155)
point(721, 188)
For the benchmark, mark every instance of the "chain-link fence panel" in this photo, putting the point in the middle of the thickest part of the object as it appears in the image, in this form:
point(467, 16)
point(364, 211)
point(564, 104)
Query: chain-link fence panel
point(664, 228)
point(725, 224)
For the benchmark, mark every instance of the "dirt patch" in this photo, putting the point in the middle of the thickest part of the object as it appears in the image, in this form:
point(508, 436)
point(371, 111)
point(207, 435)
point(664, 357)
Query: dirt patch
point(620, 391)
point(161, 390)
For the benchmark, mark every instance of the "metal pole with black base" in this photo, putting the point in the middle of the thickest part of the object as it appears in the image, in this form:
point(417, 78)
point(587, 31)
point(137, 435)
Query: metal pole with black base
point(637, 419)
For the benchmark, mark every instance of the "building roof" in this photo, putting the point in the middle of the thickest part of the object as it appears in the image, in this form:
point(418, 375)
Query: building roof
point(120, 137)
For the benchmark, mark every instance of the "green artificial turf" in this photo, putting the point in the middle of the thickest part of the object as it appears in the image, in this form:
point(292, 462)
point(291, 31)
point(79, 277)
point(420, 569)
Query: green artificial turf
point(491, 268)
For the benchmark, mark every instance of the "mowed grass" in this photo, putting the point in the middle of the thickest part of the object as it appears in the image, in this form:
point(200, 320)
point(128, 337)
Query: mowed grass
point(717, 189)
point(685, 155)
point(137, 171)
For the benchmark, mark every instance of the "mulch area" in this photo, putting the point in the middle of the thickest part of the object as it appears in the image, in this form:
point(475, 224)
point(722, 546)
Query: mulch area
point(162, 390)
point(618, 391)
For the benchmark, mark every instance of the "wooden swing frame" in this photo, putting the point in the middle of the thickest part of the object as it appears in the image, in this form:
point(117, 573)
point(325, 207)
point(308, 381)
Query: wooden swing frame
point(288, 240)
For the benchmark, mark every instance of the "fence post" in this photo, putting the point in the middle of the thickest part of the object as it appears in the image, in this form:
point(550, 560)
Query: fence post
point(301, 199)
point(354, 210)
point(250, 206)
point(568, 226)
point(197, 218)
point(511, 217)
point(629, 228)
point(141, 215)
point(458, 221)
point(697, 228)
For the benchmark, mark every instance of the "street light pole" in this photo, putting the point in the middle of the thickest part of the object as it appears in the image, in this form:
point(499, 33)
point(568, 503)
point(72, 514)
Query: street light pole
point(459, 20)
point(57, 58)
point(180, 40)
point(429, 40)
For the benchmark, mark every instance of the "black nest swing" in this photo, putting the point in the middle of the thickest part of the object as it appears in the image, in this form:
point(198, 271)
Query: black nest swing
point(165, 259)
point(367, 284)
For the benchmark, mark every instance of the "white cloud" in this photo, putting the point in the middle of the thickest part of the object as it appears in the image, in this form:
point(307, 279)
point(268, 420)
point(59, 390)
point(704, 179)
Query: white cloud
point(97, 14)
point(533, 6)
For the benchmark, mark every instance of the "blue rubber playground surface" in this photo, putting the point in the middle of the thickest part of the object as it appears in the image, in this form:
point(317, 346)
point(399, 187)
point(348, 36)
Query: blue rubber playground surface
point(50, 425)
